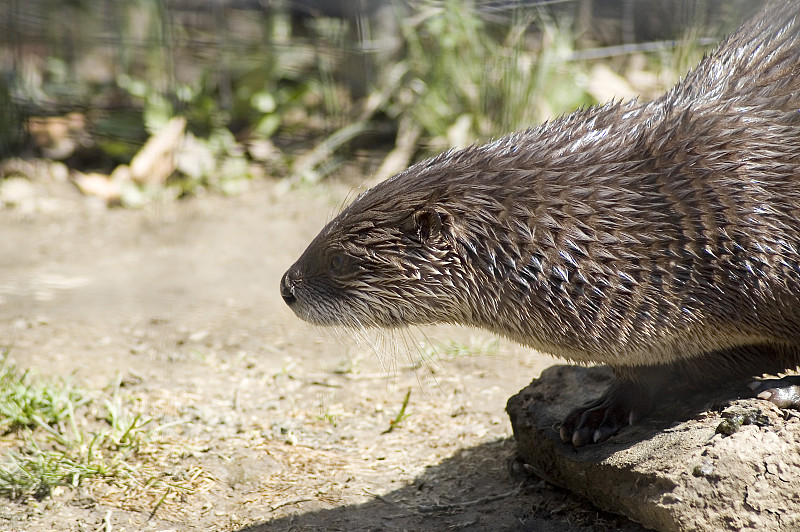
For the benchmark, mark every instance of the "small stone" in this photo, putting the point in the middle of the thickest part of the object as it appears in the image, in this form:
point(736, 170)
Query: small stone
point(198, 336)
point(16, 191)
point(704, 469)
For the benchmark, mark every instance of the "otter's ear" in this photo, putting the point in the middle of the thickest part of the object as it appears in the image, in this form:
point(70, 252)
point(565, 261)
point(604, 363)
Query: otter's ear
point(422, 225)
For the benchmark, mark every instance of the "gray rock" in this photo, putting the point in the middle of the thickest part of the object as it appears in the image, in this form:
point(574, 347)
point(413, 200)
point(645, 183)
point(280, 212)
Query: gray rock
point(673, 470)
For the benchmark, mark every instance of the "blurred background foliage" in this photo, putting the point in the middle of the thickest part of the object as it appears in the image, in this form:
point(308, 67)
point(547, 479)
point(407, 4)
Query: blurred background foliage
point(162, 98)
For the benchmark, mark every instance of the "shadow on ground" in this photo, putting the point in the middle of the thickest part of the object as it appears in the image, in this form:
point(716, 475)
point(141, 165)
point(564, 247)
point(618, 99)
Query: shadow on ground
point(480, 488)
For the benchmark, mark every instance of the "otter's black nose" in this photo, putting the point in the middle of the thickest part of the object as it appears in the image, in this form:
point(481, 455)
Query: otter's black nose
point(287, 289)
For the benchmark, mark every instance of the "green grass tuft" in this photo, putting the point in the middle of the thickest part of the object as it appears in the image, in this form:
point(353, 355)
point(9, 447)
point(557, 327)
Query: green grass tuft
point(396, 422)
point(58, 434)
point(25, 403)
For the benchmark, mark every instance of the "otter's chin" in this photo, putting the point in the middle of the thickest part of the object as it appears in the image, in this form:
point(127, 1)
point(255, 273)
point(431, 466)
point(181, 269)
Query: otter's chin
point(307, 314)
point(310, 311)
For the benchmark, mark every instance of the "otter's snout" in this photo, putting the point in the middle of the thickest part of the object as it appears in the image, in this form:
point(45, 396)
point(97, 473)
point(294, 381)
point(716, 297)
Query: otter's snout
point(287, 287)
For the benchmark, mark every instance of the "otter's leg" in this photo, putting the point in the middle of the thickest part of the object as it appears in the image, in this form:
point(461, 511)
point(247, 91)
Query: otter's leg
point(635, 390)
point(629, 397)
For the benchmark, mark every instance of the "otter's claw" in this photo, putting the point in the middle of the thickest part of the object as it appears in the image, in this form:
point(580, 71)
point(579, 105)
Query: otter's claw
point(779, 392)
point(620, 406)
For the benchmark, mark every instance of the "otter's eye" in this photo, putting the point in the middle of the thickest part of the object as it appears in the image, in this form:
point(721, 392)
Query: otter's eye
point(339, 266)
point(337, 262)
point(342, 266)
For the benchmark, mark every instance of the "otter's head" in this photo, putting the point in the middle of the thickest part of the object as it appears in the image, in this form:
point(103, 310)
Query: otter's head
point(388, 260)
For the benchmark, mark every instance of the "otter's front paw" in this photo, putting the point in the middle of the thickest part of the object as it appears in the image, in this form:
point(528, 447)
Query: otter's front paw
point(620, 406)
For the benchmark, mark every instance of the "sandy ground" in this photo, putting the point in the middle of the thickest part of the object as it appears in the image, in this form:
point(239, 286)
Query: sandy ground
point(284, 424)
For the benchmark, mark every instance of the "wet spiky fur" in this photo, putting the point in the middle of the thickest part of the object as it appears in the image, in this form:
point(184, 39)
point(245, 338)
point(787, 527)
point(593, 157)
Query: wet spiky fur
point(633, 234)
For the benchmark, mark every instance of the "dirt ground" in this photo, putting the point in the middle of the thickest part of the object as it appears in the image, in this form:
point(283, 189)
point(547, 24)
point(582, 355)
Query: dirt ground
point(285, 424)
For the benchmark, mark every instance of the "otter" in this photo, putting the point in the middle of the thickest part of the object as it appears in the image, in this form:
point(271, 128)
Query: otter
point(660, 238)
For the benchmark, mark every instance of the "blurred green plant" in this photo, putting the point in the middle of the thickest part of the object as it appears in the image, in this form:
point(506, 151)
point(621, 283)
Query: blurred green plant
point(461, 74)
point(251, 92)
point(262, 99)
point(461, 81)
point(12, 120)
